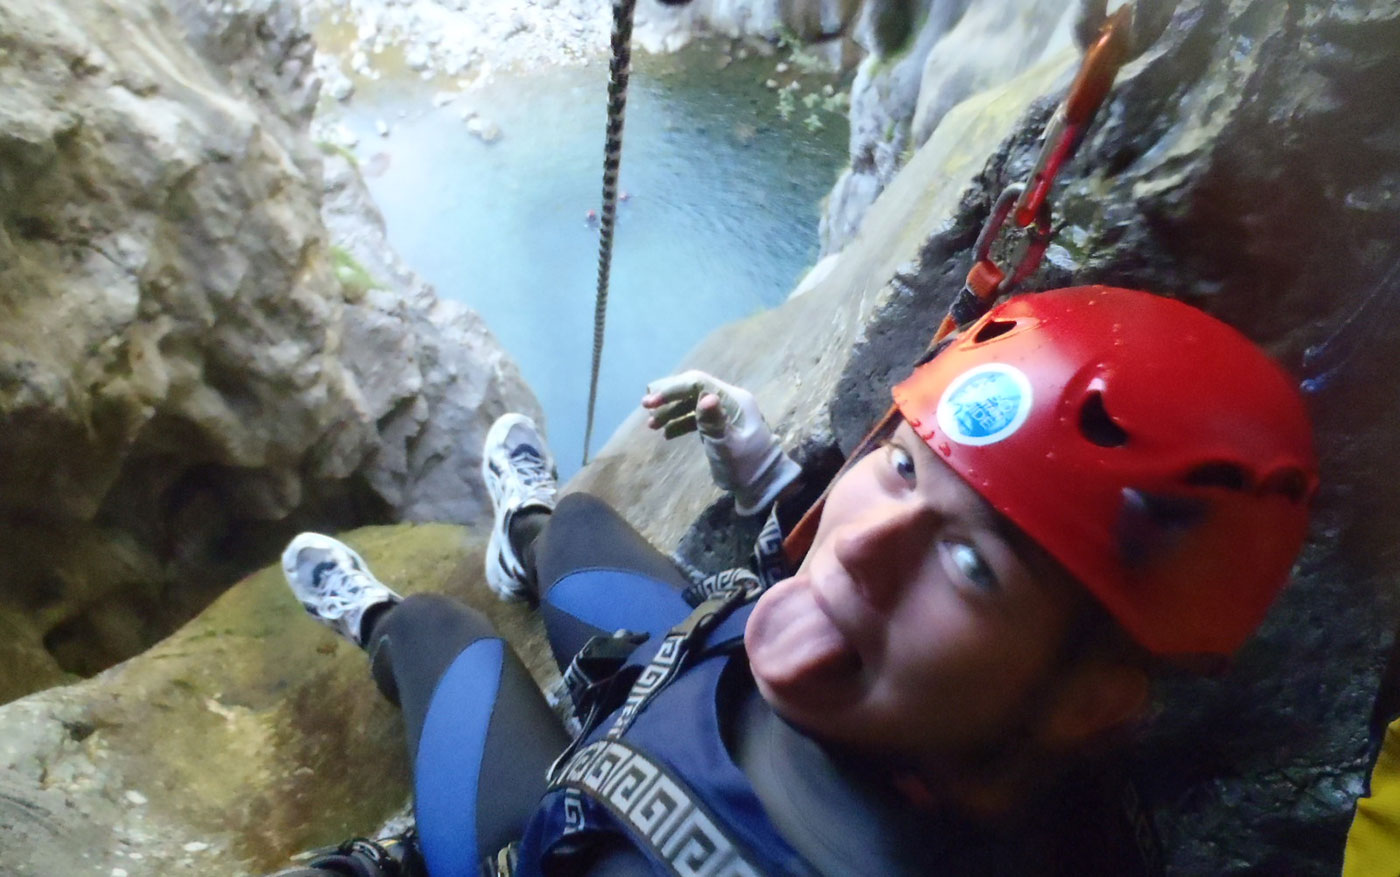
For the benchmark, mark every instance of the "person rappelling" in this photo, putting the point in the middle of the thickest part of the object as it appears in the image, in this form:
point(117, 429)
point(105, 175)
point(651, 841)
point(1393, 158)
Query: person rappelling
point(935, 669)
point(1085, 487)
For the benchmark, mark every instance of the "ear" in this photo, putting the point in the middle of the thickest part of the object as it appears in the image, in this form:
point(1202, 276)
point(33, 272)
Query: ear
point(1095, 697)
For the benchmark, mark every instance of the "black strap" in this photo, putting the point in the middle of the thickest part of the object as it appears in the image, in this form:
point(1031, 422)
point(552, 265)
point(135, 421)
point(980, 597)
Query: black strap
point(604, 695)
point(670, 658)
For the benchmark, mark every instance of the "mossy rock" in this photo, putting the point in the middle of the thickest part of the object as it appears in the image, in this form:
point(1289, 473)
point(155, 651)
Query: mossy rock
point(248, 735)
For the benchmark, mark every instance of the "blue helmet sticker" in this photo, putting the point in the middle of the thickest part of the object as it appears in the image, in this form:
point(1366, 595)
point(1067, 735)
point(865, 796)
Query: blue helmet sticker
point(984, 405)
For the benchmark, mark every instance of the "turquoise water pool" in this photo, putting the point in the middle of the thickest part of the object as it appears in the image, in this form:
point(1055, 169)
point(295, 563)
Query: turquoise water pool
point(720, 223)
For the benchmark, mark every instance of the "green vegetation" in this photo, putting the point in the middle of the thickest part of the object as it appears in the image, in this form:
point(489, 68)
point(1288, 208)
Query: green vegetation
point(799, 55)
point(354, 279)
point(806, 64)
point(329, 148)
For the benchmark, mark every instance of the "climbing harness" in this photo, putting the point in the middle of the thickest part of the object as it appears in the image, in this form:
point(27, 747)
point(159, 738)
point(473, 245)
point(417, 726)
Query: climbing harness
point(1025, 205)
point(619, 69)
point(617, 781)
point(598, 692)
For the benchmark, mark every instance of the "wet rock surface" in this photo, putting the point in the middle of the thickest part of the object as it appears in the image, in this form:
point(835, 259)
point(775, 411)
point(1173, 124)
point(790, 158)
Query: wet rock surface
point(191, 367)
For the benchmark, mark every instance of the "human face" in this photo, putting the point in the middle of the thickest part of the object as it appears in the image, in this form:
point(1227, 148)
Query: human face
point(920, 623)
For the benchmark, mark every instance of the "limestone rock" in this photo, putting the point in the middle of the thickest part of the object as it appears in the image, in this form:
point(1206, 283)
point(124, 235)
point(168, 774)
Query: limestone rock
point(1235, 166)
point(923, 58)
point(185, 372)
point(662, 28)
point(250, 734)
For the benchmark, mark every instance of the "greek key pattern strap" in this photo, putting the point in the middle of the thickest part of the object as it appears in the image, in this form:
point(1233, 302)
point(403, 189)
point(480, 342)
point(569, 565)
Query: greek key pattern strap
point(659, 808)
point(768, 555)
point(659, 671)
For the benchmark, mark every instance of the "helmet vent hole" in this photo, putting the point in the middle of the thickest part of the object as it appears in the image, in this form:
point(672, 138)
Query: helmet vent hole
point(1097, 426)
point(993, 329)
point(1230, 476)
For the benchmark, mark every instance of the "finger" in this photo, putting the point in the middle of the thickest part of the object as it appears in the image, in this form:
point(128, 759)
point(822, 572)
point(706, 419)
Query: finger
point(652, 400)
point(673, 411)
point(709, 416)
point(680, 427)
point(684, 385)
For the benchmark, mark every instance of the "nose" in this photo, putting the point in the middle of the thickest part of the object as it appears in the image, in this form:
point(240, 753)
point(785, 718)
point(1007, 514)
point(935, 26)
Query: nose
point(883, 549)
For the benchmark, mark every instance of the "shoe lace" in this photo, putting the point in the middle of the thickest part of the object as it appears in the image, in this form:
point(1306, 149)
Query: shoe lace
point(530, 467)
point(325, 568)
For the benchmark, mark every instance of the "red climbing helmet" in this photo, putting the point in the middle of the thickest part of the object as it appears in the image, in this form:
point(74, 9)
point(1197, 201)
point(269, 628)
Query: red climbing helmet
point(1154, 451)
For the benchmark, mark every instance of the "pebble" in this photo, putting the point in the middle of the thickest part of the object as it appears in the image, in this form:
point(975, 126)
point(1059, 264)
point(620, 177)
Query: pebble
point(781, 68)
point(772, 83)
point(136, 797)
point(341, 89)
point(195, 846)
point(382, 127)
point(418, 58)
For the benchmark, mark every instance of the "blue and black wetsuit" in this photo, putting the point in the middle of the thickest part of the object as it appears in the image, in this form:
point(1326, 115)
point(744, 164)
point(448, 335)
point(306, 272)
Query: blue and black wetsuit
point(480, 736)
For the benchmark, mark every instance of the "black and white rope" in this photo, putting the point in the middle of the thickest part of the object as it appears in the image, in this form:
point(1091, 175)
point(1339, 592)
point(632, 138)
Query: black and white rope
point(619, 70)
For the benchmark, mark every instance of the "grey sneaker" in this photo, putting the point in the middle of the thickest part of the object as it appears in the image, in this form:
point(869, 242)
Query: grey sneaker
point(333, 583)
point(520, 475)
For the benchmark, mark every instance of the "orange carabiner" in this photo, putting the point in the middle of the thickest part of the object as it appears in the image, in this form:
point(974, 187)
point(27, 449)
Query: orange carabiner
point(1102, 61)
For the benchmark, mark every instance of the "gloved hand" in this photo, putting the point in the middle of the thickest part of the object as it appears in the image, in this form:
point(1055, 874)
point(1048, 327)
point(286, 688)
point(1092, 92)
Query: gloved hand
point(745, 457)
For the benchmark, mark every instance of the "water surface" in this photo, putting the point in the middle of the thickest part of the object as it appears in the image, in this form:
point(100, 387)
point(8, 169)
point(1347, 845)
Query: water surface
point(721, 220)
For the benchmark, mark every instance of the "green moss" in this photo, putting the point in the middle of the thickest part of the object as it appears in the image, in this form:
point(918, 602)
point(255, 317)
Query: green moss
point(354, 279)
point(329, 148)
point(800, 55)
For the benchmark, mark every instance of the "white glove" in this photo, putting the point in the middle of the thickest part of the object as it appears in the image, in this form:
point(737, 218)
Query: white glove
point(745, 457)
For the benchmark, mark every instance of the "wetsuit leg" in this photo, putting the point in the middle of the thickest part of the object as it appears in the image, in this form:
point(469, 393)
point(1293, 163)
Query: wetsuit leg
point(598, 575)
point(480, 736)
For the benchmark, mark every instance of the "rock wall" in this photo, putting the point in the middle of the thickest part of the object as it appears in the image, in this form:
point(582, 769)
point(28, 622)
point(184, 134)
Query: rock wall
point(922, 58)
point(191, 367)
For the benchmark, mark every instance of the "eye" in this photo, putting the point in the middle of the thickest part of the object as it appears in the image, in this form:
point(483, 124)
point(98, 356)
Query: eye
point(966, 566)
point(901, 462)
